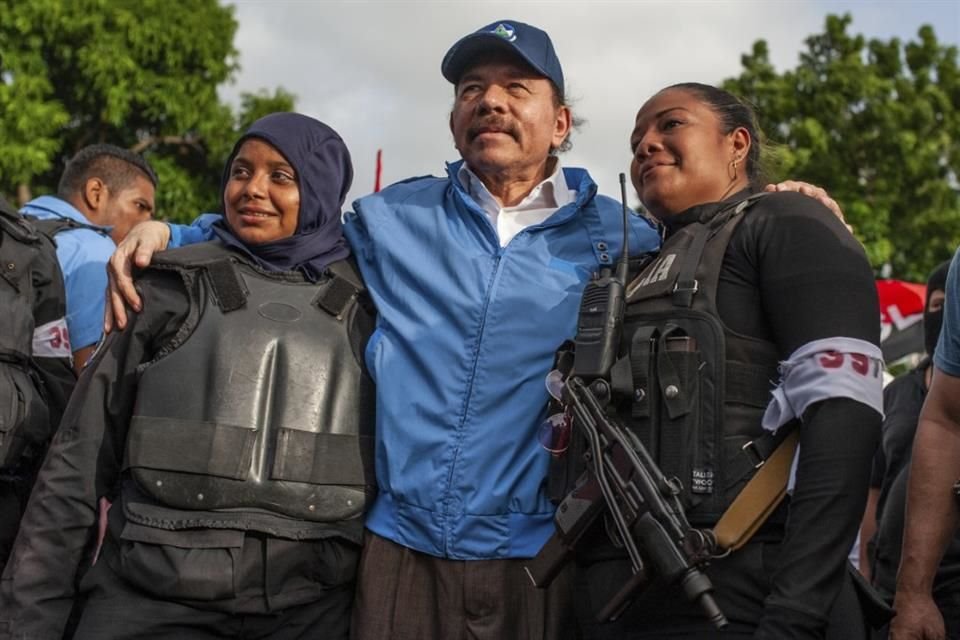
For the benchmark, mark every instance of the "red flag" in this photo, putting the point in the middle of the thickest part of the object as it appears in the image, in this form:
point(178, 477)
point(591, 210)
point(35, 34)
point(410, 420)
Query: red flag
point(376, 180)
point(900, 300)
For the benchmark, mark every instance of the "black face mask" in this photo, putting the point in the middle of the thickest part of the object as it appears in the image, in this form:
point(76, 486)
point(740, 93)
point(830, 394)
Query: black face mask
point(932, 321)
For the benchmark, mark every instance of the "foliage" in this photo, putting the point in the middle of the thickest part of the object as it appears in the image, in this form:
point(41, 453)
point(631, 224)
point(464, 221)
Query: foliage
point(142, 75)
point(878, 125)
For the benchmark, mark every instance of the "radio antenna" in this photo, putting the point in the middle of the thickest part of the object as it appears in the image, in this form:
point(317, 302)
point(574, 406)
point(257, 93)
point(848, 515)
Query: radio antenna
point(623, 266)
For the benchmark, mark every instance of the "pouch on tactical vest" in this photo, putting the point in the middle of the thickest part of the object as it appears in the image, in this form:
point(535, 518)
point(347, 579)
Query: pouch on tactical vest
point(260, 416)
point(24, 416)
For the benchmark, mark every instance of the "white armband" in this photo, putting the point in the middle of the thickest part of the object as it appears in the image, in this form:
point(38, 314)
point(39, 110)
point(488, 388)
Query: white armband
point(51, 340)
point(822, 369)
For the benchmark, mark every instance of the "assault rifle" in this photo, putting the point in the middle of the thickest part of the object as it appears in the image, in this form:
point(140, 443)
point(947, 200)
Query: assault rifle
point(624, 482)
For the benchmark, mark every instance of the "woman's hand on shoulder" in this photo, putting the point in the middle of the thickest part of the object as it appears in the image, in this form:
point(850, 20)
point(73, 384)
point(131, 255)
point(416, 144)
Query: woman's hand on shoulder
point(136, 249)
point(817, 193)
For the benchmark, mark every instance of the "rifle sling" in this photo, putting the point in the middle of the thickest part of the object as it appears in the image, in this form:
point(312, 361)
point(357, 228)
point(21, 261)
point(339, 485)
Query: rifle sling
point(758, 499)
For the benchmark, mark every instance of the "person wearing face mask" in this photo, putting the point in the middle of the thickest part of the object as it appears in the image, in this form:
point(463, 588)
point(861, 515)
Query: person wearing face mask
point(903, 399)
point(238, 482)
point(748, 288)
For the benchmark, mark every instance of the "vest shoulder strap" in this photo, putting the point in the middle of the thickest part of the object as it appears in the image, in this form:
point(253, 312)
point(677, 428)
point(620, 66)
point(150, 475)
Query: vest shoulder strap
point(344, 286)
point(345, 283)
point(347, 269)
point(721, 225)
point(50, 227)
point(228, 290)
point(216, 262)
point(194, 256)
point(17, 225)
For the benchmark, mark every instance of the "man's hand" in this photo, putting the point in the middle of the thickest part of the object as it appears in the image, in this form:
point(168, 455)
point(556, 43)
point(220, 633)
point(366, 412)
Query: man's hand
point(813, 191)
point(917, 618)
point(136, 249)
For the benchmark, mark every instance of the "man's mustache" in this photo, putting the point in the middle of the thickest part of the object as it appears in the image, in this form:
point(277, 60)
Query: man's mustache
point(488, 125)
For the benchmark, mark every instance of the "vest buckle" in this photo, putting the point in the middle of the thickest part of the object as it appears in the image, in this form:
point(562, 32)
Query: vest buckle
point(683, 292)
point(751, 450)
point(691, 286)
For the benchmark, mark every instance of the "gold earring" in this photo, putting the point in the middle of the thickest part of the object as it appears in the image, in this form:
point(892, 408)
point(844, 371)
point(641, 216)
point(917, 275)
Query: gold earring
point(736, 161)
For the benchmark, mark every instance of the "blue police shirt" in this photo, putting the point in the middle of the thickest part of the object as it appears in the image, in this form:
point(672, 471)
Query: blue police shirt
point(83, 255)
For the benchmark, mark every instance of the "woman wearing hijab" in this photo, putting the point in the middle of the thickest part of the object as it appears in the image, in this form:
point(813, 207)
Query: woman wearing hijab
point(228, 424)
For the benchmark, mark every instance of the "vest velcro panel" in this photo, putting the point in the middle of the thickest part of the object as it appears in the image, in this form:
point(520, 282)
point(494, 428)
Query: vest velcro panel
point(220, 450)
point(322, 458)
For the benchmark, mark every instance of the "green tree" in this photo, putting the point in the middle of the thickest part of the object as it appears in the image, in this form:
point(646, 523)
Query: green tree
point(878, 125)
point(142, 75)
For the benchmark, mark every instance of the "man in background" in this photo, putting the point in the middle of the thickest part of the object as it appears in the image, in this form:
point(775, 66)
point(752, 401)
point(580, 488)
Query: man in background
point(103, 193)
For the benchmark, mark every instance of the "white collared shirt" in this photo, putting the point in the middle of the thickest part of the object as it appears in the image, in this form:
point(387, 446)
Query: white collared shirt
point(540, 204)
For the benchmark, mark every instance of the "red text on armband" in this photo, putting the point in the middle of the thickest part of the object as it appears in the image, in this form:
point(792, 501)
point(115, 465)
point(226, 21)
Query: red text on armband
point(859, 362)
point(52, 340)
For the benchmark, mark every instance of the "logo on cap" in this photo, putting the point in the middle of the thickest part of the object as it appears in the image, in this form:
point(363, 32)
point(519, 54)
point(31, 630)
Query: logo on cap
point(505, 31)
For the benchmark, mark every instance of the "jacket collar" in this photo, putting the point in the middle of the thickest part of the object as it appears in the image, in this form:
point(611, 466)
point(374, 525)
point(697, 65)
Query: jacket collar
point(576, 178)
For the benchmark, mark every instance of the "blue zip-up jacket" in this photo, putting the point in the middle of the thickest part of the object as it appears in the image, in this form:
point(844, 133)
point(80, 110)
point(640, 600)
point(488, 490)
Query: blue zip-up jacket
point(466, 335)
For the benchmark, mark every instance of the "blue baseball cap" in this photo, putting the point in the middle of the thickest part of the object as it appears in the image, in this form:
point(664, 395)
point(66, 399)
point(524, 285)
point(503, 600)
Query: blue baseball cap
point(528, 42)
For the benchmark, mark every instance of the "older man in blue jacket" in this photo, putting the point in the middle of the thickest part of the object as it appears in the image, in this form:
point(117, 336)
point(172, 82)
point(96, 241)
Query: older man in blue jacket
point(477, 277)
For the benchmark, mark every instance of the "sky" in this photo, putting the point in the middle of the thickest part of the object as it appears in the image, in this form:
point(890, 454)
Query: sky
point(371, 70)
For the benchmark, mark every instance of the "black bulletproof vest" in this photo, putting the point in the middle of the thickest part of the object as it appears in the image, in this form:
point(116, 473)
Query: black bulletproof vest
point(260, 417)
point(24, 416)
point(698, 390)
point(691, 389)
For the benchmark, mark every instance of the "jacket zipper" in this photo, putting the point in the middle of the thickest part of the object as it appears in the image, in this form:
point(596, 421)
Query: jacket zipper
point(467, 398)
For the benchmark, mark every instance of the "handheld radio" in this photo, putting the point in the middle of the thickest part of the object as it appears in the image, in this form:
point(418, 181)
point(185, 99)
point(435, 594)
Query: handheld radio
point(601, 312)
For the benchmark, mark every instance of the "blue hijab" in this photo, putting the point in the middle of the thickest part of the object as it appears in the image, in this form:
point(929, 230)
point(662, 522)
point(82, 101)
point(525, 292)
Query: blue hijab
point(324, 174)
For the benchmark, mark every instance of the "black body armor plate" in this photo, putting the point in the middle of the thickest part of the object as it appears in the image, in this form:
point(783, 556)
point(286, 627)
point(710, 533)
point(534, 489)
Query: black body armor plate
point(260, 411)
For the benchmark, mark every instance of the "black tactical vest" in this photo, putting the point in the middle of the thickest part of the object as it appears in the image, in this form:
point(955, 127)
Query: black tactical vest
point(698, 389)
point(260, 416)
point(692, 390)
point(24, 417)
